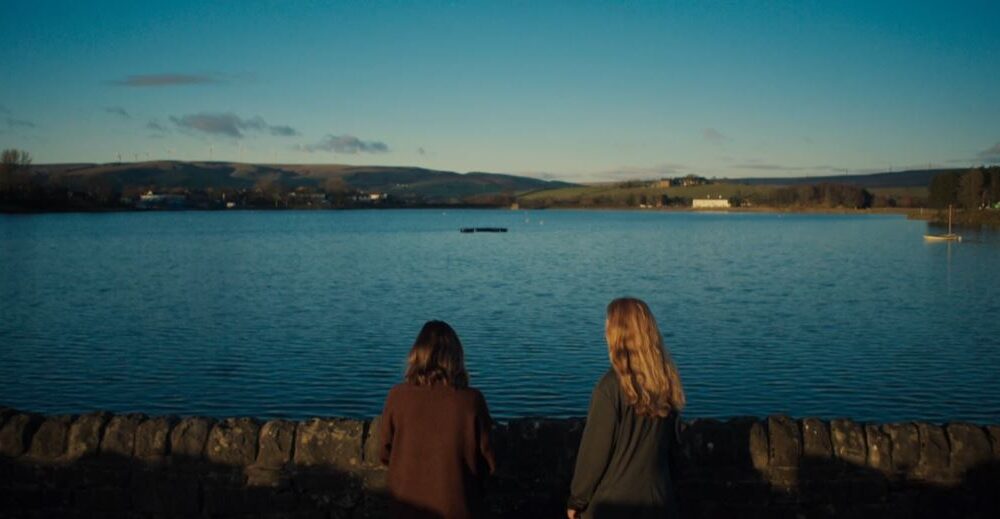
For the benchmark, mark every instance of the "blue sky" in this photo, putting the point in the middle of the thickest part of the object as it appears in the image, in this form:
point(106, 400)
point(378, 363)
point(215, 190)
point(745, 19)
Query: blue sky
point(570, 90)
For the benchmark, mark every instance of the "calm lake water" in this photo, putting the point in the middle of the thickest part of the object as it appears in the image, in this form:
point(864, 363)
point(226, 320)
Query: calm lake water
point(298, 314)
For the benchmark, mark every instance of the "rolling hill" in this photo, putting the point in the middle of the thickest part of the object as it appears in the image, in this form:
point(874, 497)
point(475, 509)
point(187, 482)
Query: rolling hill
point(910, 178)
point(405, 182)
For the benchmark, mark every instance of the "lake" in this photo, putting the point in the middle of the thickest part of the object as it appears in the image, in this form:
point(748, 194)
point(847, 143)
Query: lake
point(297, 314)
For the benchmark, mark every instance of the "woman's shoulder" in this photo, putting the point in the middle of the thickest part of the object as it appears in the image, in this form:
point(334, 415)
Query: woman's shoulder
point(608, 384)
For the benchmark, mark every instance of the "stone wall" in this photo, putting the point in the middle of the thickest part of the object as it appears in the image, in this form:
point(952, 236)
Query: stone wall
point(132, 465)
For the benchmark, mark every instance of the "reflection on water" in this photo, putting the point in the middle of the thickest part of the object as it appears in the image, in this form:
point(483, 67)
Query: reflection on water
point(311, 313)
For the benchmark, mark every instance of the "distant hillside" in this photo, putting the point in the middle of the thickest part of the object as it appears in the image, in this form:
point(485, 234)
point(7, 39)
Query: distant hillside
point(910, 178)
point(405, 182)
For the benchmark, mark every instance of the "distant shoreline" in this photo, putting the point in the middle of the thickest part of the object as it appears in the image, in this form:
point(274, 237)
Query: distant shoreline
point(915, 213)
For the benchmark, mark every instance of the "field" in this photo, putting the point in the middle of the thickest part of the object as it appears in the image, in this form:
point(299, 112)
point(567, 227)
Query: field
point(613, 195)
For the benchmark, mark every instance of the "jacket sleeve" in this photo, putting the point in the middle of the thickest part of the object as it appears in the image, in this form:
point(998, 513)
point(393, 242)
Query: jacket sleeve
point(595, 449)
point(387, 430)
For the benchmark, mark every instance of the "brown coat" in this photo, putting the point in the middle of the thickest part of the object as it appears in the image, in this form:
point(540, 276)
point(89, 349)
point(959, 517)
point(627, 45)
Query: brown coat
point(436, 442)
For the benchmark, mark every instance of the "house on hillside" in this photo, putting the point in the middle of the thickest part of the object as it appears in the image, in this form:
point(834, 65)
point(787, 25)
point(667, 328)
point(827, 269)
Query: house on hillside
point(151, 200)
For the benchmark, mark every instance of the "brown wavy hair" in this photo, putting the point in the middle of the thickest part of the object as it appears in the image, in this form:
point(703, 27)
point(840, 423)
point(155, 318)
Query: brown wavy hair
point(437, 357)
point(648, 376)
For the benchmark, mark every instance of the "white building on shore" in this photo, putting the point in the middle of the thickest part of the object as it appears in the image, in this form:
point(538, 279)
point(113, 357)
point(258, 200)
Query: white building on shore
point(710, 203)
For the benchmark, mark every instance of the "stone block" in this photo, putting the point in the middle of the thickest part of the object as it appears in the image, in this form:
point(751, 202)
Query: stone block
point(276, 440)
point(152, 438)
point(934, 452)
point(328, 442)
point(373, 442)
point(156, 492)
point(49, 441)
point(270, 477)
point(879, 449)
point(905, 446)
point(233, 441)
point(119, 435)
point(224, 500)
point(970, 446)
point(16, 433)
point(710, 443)
point(816, 442)
point(325, 489)
point(188, 438)
point(848, 439)
point(85, 435)
point(784, 440)
point(5, 413)
point(759, 446)
point(994, 433)
point(738, 440)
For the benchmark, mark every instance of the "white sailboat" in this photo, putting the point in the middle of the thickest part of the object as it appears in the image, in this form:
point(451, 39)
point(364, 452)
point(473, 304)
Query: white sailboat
point(944, 237)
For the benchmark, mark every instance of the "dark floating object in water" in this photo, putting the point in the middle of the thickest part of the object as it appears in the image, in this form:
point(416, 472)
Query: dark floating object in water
point(483, 229)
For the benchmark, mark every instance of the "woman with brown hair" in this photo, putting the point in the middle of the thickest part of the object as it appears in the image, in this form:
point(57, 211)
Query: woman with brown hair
point(622, 464)
point(436, 432)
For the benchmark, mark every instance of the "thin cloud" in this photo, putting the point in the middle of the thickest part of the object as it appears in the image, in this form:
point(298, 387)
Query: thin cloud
point(422, 152)
point(347, 144)
point(283, 130)
point(4, 110)
point(230, 125)
point(19, 123)
point(991, 154)
point(161, 80)
point(769, 167)
point(156, 127)
point(807, 170)
point(714, 136)
point(117, 110)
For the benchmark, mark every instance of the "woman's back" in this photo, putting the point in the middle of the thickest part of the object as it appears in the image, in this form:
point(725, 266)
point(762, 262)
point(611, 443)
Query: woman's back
point(622, 466)
point(435, 439)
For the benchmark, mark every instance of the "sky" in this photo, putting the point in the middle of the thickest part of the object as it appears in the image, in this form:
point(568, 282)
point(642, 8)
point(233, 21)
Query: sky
point(577, 91)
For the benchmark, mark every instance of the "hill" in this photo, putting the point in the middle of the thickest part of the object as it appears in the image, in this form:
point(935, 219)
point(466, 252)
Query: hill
point(403, 182)
point(910, 178)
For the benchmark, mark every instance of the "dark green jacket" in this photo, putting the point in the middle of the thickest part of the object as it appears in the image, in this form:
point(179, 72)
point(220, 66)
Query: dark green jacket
point(622, 467)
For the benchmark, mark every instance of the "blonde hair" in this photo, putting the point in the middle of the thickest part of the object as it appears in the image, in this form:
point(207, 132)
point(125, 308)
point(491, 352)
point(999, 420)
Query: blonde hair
point(437, 357)
point(646, 373)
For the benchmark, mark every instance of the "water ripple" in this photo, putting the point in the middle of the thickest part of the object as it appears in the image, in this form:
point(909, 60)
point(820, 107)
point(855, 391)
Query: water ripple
point(289, 314)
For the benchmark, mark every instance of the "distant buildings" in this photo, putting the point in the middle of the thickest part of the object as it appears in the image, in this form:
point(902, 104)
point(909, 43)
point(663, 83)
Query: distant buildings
point(151, 200)
point(371, 197)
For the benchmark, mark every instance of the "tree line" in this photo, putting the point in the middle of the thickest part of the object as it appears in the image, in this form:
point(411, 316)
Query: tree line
point(977, 188)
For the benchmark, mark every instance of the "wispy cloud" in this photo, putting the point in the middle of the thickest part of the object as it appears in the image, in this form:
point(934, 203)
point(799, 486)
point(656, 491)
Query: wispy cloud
point(282, 130)
point(117, 110)
point(714, 136)
point(806, 170)
point(230, 125)
point(156, 127)
point(770, 167)
point(160, 80)
point(347, 144)
point(422, 152)
point(4, 110)
point(991, 154)
point(19, 123)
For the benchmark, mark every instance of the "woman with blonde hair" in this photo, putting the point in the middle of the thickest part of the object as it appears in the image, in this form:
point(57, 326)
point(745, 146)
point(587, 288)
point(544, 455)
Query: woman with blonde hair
point(622, 464)
point(435, 432)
